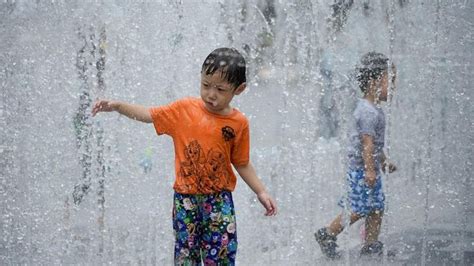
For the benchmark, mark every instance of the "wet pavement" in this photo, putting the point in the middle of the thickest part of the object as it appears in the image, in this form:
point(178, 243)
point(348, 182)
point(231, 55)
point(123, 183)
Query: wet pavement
point(443, 247)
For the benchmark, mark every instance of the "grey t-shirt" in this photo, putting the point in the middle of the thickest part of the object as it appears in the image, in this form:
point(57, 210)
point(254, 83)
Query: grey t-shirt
point(367, 119)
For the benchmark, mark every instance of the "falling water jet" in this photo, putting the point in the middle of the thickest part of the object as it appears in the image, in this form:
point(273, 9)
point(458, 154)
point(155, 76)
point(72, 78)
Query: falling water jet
point(429, 169)
point(386, 173)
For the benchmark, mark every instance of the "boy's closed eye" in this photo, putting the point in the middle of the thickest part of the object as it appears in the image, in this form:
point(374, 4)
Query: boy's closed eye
point(218, 87)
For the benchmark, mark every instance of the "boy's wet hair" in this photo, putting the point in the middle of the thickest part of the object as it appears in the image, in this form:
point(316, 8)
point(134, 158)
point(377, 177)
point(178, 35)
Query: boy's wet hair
point(372, 66)
point(229, 61)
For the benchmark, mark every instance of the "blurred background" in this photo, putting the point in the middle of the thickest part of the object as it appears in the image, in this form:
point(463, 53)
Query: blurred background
point(81, 190)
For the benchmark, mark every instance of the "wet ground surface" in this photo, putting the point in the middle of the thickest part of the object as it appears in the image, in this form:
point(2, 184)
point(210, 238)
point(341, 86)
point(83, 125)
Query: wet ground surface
point(443, 247)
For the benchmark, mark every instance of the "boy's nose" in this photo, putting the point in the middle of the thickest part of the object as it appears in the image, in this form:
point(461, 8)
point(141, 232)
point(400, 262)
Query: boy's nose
point(212, 94)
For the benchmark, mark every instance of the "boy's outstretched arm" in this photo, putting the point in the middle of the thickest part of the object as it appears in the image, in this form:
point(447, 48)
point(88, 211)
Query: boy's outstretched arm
point(133, 111)
point(248, 174)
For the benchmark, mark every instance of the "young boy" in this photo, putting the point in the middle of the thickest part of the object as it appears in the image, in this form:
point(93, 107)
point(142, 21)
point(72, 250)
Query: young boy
point(209, 137)
point(366, 159)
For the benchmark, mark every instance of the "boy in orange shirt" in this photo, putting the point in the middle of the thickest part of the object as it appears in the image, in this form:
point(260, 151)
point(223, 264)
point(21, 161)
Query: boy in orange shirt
point(209, 137)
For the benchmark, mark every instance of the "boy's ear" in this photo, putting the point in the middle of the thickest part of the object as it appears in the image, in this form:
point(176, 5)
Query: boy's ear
point(240, 88)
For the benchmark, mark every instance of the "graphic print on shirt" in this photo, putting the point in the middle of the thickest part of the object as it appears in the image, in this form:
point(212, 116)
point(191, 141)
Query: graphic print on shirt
point(215, 170)
point(195, 158)
point(228, 133)
point(208, 170)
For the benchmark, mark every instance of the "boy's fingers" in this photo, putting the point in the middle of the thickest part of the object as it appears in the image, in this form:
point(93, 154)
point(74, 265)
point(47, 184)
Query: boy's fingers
point(274, 208)
point(95, 109)
point(270, 206)
point(267, 207)
point(393, 168)
point(99, 106)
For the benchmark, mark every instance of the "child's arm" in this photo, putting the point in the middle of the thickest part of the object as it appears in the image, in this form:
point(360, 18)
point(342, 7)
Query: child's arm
point(133, 111)
point(248, 174)
point(368, 157)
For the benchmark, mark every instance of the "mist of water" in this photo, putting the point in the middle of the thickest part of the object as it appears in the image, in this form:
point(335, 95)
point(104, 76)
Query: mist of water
point(77, 189)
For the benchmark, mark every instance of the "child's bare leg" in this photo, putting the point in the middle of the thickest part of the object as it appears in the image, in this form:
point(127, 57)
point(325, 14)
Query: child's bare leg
point(373, 224)
point(337, 225)
point(327, 236)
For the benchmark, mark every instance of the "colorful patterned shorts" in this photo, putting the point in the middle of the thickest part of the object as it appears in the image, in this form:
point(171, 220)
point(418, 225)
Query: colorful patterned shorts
point(205, 229)
point(361, 198)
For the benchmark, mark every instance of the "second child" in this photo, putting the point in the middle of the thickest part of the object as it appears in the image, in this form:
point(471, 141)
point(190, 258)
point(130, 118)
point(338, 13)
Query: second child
point(366, 159)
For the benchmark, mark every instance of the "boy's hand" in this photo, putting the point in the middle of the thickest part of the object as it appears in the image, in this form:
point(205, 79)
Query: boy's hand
point(391, 167)
point(104, 106)
point(267, 202)
point(370, 178)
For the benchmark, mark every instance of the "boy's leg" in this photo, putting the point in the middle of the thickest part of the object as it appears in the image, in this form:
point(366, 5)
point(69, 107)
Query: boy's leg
point(187, 227)
point(337, 225)
point(374, 217)
point(219, 236)
point(373, 221)
point(327, 236)
point(373, 224)
point(357, 201)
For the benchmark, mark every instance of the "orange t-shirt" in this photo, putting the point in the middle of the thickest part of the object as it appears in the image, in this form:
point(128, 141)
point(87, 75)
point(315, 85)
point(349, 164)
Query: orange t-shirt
point(205, 145)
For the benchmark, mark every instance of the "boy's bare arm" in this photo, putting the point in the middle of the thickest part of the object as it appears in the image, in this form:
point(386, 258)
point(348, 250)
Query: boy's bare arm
point(368, 157)
point(133, 111)
point(248, 174)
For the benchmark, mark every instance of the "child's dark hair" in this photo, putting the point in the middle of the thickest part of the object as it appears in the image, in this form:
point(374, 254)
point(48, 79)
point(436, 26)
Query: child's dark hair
point(372, 66)
point(229, 61)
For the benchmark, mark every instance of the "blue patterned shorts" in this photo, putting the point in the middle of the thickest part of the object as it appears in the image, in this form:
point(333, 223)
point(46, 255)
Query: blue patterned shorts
point(361, 198)
point(205, 229)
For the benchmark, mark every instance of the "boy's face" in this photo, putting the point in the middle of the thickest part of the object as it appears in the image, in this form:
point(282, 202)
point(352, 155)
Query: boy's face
point(383, 87)
point(384, 84)
point(217, 93)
